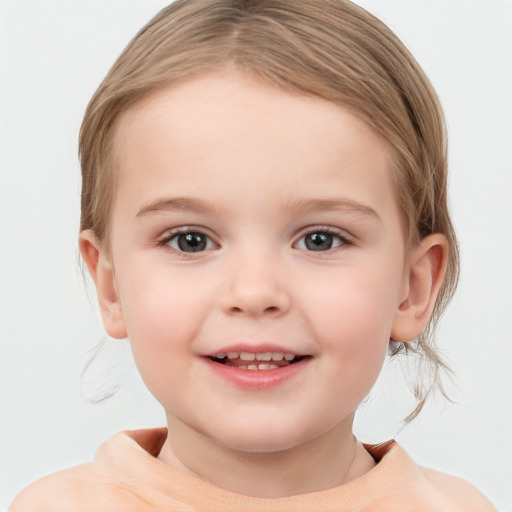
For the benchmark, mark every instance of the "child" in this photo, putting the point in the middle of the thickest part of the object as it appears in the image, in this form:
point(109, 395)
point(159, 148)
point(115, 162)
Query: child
point(263, 211)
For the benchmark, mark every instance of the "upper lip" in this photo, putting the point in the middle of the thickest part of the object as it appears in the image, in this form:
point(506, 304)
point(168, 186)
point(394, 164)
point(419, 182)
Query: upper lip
point(260, 348)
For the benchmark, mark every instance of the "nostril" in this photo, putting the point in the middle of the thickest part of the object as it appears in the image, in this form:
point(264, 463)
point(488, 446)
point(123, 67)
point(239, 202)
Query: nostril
point(269, 309)
point(254, 302)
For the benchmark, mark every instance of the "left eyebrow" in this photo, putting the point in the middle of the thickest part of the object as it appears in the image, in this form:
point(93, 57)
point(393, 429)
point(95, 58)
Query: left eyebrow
point(187, 204)
point(342, 204)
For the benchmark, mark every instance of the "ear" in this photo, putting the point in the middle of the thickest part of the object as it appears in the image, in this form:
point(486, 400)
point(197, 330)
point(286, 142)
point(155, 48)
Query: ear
point(102, 273)
point(425, 274)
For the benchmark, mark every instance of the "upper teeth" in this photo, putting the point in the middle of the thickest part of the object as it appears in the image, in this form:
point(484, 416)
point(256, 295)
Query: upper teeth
point(258, 356)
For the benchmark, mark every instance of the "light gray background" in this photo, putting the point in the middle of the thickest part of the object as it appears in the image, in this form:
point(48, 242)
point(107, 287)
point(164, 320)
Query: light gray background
point(53, 54)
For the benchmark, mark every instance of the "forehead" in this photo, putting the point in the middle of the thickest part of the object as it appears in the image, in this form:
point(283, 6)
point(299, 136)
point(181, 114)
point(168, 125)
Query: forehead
point(240, 130)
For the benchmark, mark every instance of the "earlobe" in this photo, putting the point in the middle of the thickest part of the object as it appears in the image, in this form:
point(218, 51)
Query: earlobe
point(426, 271)
point(102, 273)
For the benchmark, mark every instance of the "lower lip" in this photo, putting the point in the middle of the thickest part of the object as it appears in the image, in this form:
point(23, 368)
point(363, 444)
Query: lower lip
point(257, 379)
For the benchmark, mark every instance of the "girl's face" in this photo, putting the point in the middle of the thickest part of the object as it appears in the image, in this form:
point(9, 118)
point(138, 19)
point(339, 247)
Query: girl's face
point(254, 223)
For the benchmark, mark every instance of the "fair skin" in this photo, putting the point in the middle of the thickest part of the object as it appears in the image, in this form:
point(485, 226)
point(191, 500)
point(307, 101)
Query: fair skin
point(295, 246)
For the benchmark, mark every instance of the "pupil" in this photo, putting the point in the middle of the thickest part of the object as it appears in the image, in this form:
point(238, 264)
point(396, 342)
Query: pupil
point(319, 241)
point(191, 242)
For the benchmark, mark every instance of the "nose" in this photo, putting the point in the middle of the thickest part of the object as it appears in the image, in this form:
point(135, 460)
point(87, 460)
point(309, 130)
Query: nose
point(255, 287)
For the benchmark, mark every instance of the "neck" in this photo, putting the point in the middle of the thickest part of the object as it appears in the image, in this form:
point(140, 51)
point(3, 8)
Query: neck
point(328, 461)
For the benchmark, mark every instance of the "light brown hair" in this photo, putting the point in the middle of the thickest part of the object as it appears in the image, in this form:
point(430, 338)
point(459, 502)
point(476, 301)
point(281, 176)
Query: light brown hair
point(328, 48)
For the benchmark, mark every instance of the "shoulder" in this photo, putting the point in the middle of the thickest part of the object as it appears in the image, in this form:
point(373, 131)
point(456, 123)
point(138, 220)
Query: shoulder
point(109, 483)
point(408, 486)
point(458, 491)
point(58, 491)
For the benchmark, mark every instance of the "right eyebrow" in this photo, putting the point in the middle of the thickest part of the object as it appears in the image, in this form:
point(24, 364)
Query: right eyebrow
point(187, 204)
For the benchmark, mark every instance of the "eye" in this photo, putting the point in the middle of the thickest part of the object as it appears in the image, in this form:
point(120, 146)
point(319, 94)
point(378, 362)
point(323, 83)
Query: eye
point(321, 240)
point(189, 241)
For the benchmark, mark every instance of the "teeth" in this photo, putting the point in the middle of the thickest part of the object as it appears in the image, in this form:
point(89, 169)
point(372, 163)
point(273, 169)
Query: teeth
point(255, 360)
point(267, 356)
point(260, 366)
point(261, 356)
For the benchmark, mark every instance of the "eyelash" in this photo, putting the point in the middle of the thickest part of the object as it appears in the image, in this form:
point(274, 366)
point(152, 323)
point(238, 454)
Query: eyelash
point(174, 233)
point(342, 236)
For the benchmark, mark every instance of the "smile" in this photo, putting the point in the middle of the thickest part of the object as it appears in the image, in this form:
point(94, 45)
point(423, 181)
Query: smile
point(256, 360)
point(268, 373)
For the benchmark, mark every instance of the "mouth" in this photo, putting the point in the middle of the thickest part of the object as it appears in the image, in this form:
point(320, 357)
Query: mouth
point(256, 360)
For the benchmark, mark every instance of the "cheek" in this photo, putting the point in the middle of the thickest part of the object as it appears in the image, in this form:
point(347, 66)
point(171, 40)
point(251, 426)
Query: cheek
point(352, 328)
point(163, 313)
point(353, 321)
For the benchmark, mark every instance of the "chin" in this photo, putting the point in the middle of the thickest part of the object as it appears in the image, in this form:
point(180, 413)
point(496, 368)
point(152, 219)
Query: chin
point(264, 439)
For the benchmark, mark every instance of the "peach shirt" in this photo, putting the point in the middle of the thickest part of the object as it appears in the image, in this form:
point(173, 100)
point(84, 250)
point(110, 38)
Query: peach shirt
point(125, 475)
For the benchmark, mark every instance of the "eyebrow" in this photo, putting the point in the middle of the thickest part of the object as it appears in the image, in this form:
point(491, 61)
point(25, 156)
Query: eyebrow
point(189, 204)
point(341, 204)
